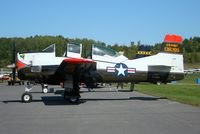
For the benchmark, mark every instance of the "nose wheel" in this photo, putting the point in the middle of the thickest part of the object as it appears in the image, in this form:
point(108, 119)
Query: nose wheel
point(26, 97)
point(45, 89)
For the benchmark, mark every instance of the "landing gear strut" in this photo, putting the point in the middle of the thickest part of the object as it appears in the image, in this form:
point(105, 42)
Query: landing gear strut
point(71, 86)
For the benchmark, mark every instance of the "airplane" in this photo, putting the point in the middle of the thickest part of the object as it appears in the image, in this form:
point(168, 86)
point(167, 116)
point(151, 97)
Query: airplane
point(103, 65)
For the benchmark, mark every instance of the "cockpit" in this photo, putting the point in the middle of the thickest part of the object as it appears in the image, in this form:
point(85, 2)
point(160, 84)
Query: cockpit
point(95, 52)
point(103, 51)
point(104, 54)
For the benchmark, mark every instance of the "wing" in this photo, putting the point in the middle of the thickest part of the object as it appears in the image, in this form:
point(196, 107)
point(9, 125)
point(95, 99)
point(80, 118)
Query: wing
point(75, 67)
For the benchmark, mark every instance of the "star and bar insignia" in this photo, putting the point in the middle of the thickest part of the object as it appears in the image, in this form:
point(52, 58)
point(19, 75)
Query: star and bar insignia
point(121, 69)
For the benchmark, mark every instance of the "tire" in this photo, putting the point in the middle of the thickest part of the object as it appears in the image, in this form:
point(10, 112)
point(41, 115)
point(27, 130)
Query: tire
point(9, 83)
point(26, 97)
point(73, 100)
point(45, 90)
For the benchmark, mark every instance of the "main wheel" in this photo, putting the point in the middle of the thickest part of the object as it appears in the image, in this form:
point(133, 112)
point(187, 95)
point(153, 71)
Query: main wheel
point(26, 97)
point(73, 100)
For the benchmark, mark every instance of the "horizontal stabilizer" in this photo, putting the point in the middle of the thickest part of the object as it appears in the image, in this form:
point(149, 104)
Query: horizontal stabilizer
point(143, 51)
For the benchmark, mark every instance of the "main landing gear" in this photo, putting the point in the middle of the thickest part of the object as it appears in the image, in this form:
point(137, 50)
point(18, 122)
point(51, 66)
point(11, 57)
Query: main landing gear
point(71, 95)
point(72, 88)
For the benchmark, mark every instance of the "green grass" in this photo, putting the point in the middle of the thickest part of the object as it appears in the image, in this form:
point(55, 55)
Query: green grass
point(190, 79)
point(182, 93)
point(185, 91)
point(191, 65)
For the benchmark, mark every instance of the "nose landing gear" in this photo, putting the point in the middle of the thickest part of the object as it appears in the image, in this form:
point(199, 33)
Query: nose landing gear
point(26, 96)
point(45, 89)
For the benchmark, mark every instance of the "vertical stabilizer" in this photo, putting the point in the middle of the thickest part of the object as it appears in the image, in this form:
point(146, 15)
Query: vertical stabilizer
point(172, 44)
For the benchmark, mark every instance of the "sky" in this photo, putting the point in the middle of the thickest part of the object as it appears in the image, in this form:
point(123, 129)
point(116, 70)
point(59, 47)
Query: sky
point(109, 21)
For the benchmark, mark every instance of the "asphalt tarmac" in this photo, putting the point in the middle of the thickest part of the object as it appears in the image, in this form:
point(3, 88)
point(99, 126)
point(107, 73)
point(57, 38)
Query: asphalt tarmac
point(103, 111)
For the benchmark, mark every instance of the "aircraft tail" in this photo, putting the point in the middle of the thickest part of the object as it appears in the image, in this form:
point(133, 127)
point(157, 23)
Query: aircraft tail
point(169, 61)
point(171, 53)
point(172, 44)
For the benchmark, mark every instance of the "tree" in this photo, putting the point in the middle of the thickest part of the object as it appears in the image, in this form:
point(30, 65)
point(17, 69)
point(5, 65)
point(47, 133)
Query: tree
point(191, 47)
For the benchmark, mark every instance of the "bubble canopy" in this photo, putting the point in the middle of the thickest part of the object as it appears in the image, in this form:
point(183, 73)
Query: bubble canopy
point(102, 51)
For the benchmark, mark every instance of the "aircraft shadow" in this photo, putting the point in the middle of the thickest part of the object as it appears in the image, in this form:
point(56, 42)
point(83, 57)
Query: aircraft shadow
point(84, 91)
point(59, 100)
point(97, 91)
point(131, 98)
point(35, 92)
point(47, 100)
point(18, 101)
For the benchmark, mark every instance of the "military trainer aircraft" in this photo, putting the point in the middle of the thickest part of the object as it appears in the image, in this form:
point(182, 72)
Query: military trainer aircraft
point(103, 65)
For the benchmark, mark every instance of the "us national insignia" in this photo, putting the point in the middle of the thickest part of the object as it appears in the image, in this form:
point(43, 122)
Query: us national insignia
point(121, 70)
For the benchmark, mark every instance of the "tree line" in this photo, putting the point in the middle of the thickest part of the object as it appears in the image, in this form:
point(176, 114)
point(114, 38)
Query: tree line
point(191, 47)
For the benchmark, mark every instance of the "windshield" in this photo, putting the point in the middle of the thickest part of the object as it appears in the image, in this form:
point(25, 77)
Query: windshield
point(50, 48)
point(101, 51)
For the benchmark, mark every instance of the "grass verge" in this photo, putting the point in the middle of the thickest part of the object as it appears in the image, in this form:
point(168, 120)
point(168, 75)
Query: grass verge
point(185, 91)
point(181, 93)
